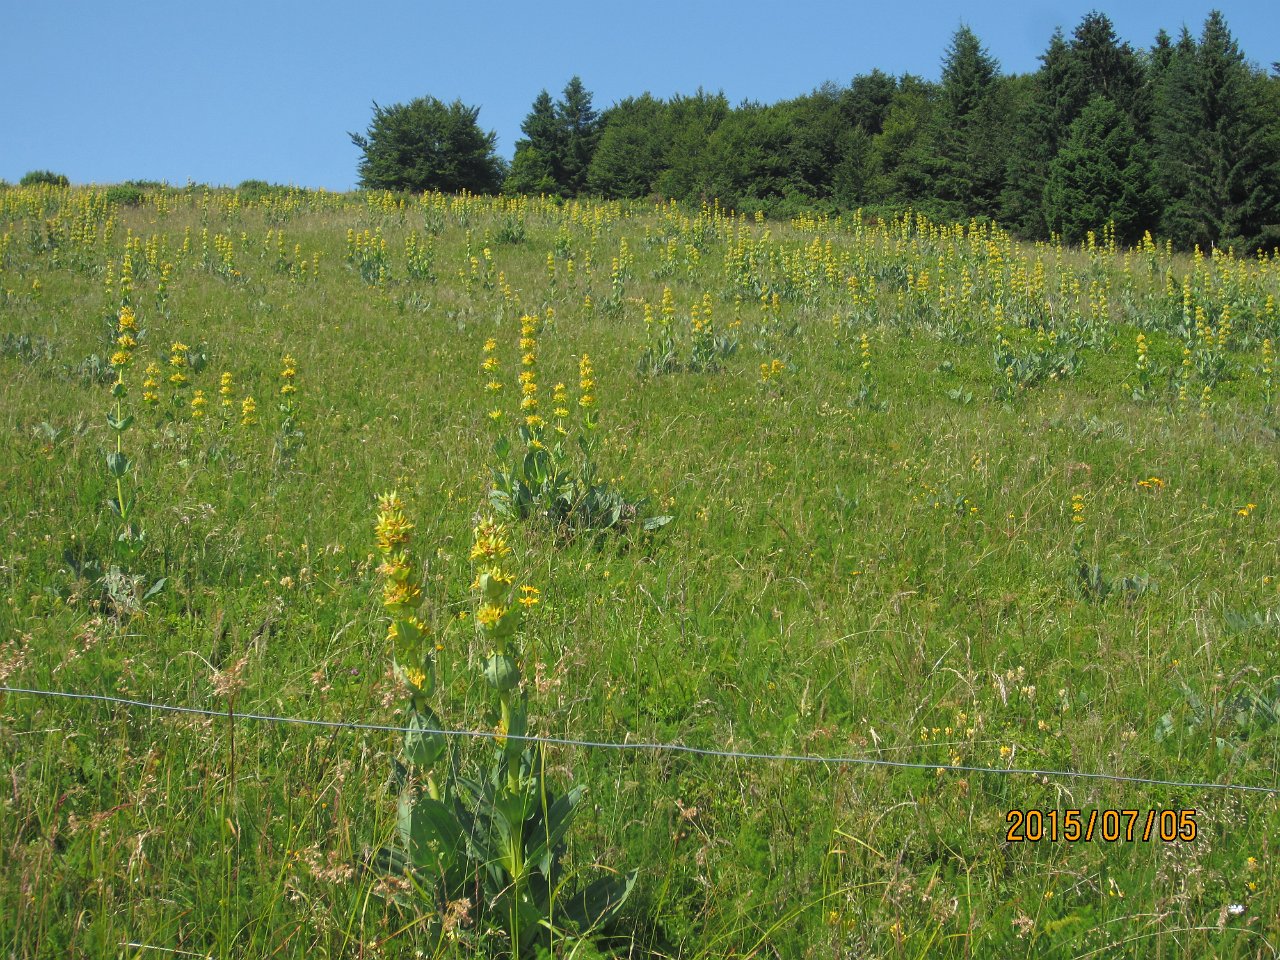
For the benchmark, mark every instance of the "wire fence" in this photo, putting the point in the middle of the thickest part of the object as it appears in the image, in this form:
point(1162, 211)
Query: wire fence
point(641, 746)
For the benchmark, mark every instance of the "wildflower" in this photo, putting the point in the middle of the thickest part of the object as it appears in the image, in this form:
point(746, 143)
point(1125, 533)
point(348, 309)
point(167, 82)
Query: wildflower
point(490, 614)
point(227, 389)
point(496, 574)
point(198, 403)
point(287, 373)
point(400, 595)
point(529, 596)
point(1077, 508)
point(392, 530)
point(149, 385)
point(178, 360)
point(490, 541)
point(248, 412)
point(586, 382)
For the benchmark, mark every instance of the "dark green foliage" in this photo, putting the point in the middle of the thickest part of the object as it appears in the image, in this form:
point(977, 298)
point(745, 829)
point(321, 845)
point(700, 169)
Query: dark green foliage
point(629, 155)
point(428, 145)
point(1218, 143)
point(1192, 150)
point(125, 195)
point(1102, 173)
point(559, 143)
point(35, 178)
point(967, 158)
point(690, 122)
point(900, 155)
point(533, 169)
point(579, 129)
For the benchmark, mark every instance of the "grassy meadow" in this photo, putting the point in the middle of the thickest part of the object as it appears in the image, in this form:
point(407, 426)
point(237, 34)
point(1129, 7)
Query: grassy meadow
point(938, 497)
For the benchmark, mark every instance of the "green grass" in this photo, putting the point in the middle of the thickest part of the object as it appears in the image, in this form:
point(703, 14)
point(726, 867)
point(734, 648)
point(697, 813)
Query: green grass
point(895, 579)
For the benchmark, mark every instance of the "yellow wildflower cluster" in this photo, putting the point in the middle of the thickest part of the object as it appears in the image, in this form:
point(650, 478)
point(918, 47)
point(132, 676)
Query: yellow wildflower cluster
point(1077, 508)
point(126, 328)
point(529, 373)
point(226, 390)
point(198, 403)
point(1151, 483)
point(771, 370)
point(490, 542)
point(668, 306)
point(287, 373)
point(586, 382)
point(149, 385)
point(401, 594)
point(248, 412)
point(178, 360)
point(560, 397)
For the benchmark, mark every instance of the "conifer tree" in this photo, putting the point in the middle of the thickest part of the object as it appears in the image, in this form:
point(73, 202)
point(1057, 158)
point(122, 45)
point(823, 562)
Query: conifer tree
point(1101, 174)
point(578, 129)
point(967, 167)
point(1218, 145)
point(533, 168)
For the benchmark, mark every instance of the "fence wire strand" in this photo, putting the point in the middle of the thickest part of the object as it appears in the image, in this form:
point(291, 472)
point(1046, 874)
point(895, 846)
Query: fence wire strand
point(641, 746)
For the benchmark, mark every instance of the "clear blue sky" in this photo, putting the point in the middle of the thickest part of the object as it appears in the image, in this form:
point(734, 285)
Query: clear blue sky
point(223, 92)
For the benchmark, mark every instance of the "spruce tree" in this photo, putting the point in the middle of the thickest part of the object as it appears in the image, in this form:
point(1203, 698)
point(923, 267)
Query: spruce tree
point(1218, 145)
point(967, 163)
point(1037, 130)
point(1101, 173)
point(578, 129)
point(1102, 64)
point(534, 166)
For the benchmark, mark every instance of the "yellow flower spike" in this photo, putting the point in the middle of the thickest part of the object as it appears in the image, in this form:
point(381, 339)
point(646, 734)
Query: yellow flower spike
point(392, 531)
point(198, 403)
point(248, 412)
point(529, 596)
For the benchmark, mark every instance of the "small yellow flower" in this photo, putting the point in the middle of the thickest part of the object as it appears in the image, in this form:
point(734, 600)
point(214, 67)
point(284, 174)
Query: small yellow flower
point(529, 596)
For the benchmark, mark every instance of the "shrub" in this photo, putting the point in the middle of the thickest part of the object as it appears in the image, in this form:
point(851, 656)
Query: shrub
point(125, 195)
point(35, 178)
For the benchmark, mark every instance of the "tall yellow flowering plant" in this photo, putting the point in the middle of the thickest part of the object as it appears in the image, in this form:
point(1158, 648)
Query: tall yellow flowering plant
point(491, 839)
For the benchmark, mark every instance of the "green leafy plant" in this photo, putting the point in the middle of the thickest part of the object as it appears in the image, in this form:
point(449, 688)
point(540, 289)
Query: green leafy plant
point(483, 841)
point(552, 474)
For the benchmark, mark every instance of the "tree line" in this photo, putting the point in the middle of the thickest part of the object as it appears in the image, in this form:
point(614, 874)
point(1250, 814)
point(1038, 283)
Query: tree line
point(1182, 139)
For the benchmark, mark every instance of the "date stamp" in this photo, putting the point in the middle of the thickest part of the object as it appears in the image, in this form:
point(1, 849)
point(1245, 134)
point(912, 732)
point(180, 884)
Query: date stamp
point(1109, 826)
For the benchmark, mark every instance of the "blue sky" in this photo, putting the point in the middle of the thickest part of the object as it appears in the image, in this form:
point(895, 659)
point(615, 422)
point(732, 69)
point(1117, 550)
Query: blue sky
point(224, 92)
